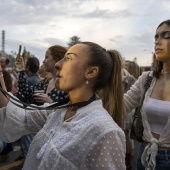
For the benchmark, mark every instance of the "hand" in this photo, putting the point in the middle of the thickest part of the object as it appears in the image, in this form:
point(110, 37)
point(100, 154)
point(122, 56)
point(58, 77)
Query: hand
point(19, 63)
point(41, 98)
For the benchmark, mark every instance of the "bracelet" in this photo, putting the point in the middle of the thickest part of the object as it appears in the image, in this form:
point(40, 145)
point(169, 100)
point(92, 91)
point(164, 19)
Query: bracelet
point(1, 75)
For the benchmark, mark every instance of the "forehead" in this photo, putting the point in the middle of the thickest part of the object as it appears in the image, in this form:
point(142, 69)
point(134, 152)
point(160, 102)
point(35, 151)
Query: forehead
point(78, 49)
point(126, 63)
point(48, 52)
point(163, 28)
point(2, 59)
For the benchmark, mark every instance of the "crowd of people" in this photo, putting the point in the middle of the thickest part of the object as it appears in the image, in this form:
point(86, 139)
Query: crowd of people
point(75, 111)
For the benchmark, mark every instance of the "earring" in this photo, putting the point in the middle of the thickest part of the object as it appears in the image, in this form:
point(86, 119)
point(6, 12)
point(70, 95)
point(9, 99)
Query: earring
point(87, 82)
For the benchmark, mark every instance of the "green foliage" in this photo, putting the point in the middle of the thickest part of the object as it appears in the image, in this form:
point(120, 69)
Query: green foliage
point(73, 40)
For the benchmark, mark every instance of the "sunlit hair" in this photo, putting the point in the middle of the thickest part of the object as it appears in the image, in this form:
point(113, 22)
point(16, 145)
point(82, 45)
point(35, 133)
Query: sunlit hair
point(159, 64)
point(134, 69)
point(57, 52)
point(108, 84)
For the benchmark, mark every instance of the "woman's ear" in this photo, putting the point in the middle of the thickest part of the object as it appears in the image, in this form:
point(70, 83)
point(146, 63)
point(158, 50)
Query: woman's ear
point(91, 72)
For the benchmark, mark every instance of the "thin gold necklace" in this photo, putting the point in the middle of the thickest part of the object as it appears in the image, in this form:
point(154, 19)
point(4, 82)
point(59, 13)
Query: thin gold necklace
point(165, 71)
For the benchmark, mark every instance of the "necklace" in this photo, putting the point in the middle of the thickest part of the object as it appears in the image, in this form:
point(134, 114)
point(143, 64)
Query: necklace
point(165, 71)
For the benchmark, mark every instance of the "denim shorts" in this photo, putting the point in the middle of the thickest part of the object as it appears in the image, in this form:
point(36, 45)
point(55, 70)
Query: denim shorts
point(162, 159)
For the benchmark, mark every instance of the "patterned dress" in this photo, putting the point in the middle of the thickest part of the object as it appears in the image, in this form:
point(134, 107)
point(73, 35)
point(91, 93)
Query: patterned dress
point(25, 90)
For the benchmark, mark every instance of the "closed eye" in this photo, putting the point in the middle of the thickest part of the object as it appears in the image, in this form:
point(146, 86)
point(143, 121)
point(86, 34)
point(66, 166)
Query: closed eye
point(68, 58)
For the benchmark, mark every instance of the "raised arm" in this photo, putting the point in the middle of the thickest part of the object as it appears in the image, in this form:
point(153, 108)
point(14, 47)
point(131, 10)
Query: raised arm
point(25, 89)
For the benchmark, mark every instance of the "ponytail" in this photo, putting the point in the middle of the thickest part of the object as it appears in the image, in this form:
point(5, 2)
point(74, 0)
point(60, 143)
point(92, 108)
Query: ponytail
point(108, 83)
point(112, 94)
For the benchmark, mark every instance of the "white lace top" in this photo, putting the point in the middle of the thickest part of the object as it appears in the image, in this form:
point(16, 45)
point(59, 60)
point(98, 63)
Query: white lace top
point(90, 140)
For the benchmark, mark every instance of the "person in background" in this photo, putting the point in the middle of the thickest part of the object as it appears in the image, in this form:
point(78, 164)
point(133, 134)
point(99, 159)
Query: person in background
point(6, 148)
point(4, 61)
point(27, 86)
point(43, 74)
point(51, 94)
point(32, 78)
point(155, 150)
point(76, 137)
point(132, 67)
point(128, 80)
point(131, 72)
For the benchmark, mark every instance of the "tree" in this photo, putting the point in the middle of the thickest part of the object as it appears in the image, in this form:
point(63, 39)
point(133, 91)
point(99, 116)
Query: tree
point(73, 40)
point(13, 55)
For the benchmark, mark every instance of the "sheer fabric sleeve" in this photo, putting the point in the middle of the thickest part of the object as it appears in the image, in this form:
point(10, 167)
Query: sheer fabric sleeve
point(133, 97)
point(108, 153)
point(16, 122)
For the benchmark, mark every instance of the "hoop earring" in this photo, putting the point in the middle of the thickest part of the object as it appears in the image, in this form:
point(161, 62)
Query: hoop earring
point(87, 82)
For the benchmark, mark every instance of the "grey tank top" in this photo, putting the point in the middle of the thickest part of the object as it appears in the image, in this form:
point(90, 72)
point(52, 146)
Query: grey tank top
point(158, 112)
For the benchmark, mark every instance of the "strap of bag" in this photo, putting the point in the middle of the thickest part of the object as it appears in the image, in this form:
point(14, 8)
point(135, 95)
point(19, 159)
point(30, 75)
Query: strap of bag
point(58, 105)
point(146, 86)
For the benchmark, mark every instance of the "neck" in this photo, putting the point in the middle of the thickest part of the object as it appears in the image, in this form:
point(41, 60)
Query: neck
point(79, 97)
point(166, 69)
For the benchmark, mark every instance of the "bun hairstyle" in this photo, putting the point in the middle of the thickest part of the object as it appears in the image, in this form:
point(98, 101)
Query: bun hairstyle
point(108, 83)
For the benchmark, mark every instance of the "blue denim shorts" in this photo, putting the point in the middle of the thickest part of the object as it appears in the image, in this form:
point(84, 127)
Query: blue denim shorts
point(162, 159)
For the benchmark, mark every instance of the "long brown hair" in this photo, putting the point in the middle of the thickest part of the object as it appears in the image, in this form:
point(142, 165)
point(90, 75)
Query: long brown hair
point(134, 69)
point(159, 64)
point(8, 80)
point(108, 84)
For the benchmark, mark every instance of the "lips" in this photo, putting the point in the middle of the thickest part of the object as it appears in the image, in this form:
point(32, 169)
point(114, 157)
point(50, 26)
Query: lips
point(157, 50)
point(58, 76)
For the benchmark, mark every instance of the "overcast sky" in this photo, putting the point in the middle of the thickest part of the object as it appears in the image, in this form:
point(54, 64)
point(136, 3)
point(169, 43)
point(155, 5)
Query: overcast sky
point(125, 25)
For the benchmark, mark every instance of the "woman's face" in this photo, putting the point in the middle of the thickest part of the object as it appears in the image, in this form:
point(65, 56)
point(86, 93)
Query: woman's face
point(72, 68)
point(126, 66)
point(162, 43)
point(49, 62)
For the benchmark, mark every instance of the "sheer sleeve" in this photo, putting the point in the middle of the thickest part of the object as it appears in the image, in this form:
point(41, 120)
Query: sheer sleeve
point(16, 122)
point(133, 97)
point(108, 153)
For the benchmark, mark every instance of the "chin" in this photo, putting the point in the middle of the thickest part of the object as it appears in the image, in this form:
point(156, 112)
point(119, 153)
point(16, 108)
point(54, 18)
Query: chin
point(161, 57)
point(57, 85)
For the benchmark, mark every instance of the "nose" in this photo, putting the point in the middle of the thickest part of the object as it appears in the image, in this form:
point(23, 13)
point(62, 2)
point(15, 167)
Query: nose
point(43, 61)
point(58, 65)
point(158, 41)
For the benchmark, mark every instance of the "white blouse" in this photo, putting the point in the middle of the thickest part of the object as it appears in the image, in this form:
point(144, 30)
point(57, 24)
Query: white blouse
point(89, 140)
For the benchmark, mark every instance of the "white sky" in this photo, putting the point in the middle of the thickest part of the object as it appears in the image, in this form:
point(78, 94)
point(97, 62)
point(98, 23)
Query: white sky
point(125, 25)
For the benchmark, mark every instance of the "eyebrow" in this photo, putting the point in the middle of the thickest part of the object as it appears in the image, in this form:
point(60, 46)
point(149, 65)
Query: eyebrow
point(72, 53)
point(163, 32)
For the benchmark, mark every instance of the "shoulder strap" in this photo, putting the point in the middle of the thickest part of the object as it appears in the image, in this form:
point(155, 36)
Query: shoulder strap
point(59, 105)
point(146, 86)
